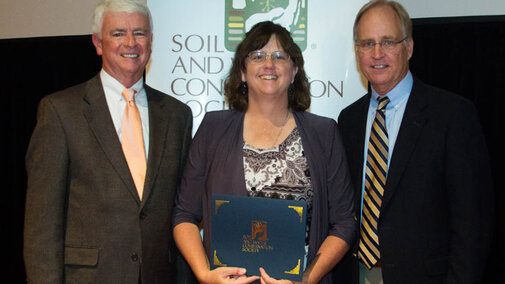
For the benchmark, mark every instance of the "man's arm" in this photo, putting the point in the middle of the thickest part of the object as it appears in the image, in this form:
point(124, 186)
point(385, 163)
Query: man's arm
point(470, 192)
point(186, 142)
point(47, 167)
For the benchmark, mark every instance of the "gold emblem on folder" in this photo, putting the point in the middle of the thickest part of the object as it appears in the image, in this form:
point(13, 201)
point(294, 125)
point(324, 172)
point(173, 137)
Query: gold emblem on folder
point(259, 230)
point(258, 239)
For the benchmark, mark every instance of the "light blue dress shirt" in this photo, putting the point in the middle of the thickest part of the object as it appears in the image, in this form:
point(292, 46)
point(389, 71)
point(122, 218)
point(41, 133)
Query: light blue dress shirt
point(116, 103)
point(398, 97)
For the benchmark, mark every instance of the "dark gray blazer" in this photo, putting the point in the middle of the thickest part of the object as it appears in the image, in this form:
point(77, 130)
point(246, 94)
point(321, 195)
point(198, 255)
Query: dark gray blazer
point(84, 221)
point(437, 213)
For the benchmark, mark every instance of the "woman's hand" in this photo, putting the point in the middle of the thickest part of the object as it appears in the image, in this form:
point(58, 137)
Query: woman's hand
point(265, 279)
point(328, 255)
point(234, 275)
point(188, 240)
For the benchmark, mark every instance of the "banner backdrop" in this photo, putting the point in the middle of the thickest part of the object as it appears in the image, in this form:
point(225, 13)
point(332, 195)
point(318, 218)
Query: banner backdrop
point(195, 40)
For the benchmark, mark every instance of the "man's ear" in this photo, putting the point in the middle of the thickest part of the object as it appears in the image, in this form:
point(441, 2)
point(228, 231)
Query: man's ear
point(410, 47)
point(97, 42)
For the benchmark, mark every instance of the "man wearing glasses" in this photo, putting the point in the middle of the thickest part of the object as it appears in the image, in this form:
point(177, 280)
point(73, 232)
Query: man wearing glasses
point(419, 164)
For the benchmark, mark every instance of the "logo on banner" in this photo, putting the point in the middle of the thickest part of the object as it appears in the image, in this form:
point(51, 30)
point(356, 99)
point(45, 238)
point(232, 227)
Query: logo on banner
point(241, 15)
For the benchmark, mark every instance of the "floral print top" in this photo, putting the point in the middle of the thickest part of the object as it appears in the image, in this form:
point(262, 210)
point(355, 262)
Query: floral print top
point(281, 172)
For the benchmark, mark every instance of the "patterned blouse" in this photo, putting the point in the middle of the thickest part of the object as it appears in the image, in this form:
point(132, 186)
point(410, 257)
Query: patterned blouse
point(281, 172)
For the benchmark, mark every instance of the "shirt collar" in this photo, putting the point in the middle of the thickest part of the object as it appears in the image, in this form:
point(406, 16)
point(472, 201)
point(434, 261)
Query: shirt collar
point(115, 88)
point(398, 94)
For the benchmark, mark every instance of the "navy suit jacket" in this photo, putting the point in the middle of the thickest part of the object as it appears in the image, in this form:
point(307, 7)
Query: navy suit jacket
point(436, 217)
point(84, 220)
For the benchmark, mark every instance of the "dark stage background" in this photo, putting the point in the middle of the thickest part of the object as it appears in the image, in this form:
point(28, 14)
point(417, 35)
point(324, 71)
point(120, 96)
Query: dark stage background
point(465, 55)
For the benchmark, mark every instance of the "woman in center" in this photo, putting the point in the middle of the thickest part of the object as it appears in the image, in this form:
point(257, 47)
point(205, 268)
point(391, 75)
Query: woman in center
point(267, 145)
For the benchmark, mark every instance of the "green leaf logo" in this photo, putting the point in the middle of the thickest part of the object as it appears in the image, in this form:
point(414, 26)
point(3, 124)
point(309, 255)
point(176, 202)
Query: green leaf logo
point(241, 15)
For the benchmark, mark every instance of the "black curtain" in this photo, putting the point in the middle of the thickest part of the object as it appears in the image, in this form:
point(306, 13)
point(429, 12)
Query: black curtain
point(31, 69)
point(464, 55)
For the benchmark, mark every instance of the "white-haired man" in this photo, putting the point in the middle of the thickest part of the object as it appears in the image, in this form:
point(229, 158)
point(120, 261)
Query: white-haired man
point(104, 163)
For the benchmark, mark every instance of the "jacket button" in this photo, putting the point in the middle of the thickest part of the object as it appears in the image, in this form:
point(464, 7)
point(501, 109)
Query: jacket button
point(135, 257)
point(143, 215)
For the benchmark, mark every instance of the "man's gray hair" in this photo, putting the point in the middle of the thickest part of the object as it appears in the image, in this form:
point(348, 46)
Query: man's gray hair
point(403, 16)
point(128, 6)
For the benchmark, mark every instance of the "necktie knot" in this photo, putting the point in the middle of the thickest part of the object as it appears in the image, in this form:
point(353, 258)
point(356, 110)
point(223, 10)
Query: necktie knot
point(383, 102)
point(129, 95)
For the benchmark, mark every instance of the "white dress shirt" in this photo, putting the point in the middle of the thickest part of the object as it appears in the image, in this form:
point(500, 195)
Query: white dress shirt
point(116, 103)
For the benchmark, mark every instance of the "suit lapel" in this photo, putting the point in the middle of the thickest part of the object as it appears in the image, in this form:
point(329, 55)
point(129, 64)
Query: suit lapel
point(412, 124)
point(356, 165)
point(100, 122)
point(158, 124)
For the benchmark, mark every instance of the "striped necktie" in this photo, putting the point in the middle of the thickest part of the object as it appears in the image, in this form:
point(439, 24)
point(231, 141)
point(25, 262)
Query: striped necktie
point(375, 181)
point(133, 141)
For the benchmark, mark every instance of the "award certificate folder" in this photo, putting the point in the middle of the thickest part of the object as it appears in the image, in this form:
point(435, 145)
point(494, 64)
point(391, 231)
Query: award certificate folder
point(254, 232)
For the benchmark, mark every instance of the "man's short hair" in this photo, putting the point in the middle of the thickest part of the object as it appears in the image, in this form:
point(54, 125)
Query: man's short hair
point(128, 6)
point(403, 16)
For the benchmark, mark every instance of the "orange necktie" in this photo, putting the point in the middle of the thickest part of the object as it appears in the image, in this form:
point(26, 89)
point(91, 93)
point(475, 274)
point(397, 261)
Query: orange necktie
point(133, 142)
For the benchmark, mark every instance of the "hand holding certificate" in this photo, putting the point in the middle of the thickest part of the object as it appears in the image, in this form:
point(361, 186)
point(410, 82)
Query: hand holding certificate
point(253, 232)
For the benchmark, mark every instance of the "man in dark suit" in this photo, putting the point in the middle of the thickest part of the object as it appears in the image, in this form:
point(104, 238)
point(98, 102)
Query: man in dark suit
point(419, 164)
point(91, 215)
